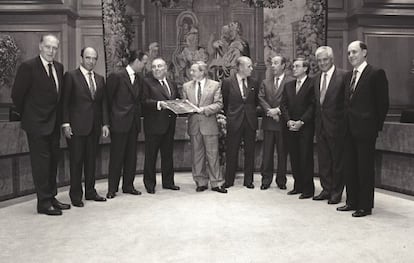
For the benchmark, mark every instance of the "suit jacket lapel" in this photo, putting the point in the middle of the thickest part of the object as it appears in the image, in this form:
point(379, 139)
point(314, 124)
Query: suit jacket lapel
point(192, 93)
point(281, 85)
point(317, 87)
point(331, 85)
point(362, 79)
point(127, 80)
point(85, 87)
point(236, 86)
point(206, 91)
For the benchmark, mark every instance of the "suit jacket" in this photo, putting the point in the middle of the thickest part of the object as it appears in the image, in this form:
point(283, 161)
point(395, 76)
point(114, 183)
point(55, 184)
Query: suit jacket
point(211, 101)
point(299, 106)
point(80, 110)
point(235, 107)
point(330, 115)
point(270, 98)
point(124, 101)
point(365, 112)
point(157, 121)
point(36, 97)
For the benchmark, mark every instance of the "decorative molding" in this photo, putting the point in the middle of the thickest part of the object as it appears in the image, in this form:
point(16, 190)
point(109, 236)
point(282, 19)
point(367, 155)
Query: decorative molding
point(402, 4)
point(39, 2)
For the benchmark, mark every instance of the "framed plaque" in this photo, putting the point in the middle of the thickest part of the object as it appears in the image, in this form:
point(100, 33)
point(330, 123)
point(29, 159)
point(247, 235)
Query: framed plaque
point(181, 106)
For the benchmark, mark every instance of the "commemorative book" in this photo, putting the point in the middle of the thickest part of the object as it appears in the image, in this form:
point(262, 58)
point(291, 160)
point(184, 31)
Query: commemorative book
point(181, 106)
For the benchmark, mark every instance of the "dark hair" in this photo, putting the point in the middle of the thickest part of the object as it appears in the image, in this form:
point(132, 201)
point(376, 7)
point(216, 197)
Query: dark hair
point(135, 54)
point(83, 50)
point(362, 45)
point(284, 60)
point(305, 63)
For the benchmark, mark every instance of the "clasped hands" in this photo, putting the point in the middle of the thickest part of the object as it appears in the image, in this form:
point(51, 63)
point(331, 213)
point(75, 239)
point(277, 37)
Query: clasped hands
point(295, 125)
point(274, 113)
point(67, 131)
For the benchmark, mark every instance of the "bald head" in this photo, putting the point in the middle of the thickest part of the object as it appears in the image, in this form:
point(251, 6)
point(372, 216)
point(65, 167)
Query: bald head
point(357, 53)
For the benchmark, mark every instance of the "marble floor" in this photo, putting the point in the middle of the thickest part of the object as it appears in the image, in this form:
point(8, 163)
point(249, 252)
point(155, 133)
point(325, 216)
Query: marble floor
point(184, 226)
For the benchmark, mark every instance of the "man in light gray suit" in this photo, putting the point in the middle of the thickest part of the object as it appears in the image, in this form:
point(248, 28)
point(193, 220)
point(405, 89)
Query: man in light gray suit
point(203, 128)
point(274, 129)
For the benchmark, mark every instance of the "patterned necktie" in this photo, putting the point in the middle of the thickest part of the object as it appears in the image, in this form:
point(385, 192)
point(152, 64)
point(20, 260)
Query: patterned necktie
point(244, 89)
point(353, 83)
point(198, 93)
point(297, 86)
point(92, 87)
point(51, 77)
point(324, 88)
point(277, 84)
point(166, 88)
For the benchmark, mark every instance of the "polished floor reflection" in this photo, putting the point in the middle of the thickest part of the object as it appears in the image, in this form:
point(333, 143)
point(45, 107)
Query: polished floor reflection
point(245, 225)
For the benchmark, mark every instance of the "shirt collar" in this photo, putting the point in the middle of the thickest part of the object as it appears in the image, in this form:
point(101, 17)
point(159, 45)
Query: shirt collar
point(130, 70)
point(361, 67)
point(202, 82)
point(302, 80)
point(330, 71)
point(239, 78)
point(44, 61)
point(280, 77)
point(84, 70)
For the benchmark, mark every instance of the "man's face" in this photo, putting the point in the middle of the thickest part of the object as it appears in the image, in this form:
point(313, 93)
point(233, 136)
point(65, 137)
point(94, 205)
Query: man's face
point(48, 48)
point(277, 66)
point(159, 68)
point(298, 69)
point(246, 67)
point(196, 73)
point(88, 61)
point(356, 55)
point(140, 64)
point(324, 61)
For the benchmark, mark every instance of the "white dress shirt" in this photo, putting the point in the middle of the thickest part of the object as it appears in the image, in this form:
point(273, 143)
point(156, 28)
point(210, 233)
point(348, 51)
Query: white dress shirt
point(45, 65)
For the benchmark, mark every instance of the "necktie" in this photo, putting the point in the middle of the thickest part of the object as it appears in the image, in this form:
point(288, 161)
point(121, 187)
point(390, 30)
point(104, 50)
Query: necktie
point(297, 86)
point(244, 89)
point(353, 83)
point(166, 88)
point(51, 77)
point(198, 93)
point(277, 84)
point(136, 77)
point(92, 87)
point(324, 88)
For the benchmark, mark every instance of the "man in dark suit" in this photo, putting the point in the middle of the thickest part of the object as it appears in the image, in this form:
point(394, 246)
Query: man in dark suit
point(159, 126)
point(298, 109)
point(366, 106)
point(330, 128)
point(240, 98)
point(124, 90)
point(274, 129)
point(36, 94)
point(84, 112)
point(203, 129)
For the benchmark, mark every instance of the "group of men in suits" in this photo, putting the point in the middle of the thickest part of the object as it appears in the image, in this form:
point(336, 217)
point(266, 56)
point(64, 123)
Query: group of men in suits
point(346, 110)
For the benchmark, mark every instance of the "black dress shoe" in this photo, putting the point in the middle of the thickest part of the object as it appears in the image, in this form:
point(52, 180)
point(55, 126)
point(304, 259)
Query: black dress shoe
point(172, 187)
point(58, 205)
point(321, 196)
point(219, 189)
point(51, 211)
point(250, 186)
point(132, 191)
point(77, 203)
point(293, 192)
point(151, 191)
point(361, 213)
point(110, 195)
point(264, 187)
point(96, 198)
point(305, 196)
point(227, 185)
point(346, 208)
point(283, 187)
point(201, 188)
point(334, 201)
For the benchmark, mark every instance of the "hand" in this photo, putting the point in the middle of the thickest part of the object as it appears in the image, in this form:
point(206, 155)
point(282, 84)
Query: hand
point(273, 112)
point(276, 118)
point(163, 104)
point(67, 130)
point(105, 131)
point(299, 124)
point(200, 110)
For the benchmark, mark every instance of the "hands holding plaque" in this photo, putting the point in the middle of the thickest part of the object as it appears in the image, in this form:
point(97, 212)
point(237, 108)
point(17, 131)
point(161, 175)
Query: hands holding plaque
point(180, 106)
